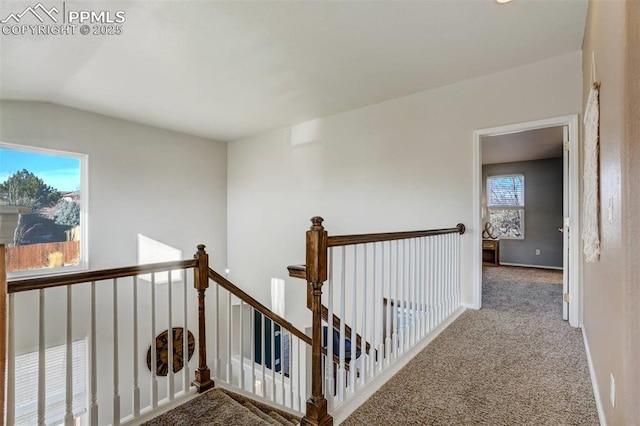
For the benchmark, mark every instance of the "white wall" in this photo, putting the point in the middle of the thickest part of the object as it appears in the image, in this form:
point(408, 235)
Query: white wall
point(399, 165)
point(165, 185)
point(611, 290)
point(168, 186)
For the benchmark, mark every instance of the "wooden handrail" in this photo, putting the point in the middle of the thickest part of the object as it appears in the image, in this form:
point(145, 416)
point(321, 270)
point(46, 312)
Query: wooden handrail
point(347, 329)
point(19, 285)
point(297, 271)
point(231, 288)
point(345, 240)
point(315, 273)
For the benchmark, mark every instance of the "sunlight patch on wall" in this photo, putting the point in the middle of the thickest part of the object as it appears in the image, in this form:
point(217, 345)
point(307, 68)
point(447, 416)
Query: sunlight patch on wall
point(277, 296)
point(154, 251)
point(306, 132)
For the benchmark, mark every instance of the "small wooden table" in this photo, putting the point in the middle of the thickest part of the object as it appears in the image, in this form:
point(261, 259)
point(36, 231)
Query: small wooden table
point(490, 252)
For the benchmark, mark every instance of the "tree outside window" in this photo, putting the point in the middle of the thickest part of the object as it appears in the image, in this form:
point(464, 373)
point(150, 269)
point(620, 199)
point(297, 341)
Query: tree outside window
point(42, 208)
point(505, 205)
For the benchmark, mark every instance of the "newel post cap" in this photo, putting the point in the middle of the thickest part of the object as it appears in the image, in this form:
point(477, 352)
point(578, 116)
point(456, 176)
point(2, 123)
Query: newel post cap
point(316, 222)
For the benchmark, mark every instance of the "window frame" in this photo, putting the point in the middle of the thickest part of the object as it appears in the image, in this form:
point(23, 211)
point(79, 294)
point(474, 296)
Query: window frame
point(83, 264)
point(508, 207)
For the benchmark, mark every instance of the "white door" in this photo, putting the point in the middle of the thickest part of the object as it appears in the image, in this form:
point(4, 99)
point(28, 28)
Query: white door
point(565, 222)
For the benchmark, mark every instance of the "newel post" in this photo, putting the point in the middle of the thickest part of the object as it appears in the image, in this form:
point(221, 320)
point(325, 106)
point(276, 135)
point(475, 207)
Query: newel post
point(3, 328)
point(201, 282)
point(316, 265)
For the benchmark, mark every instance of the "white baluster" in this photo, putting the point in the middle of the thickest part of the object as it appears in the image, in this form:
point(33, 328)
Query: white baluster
point(423, 284)
point(170, 341)
point(116, 382)
point(458, 296)
point(434, 281)
point(443, 265)
point(416, 290)
point(387, 342)
point(374, 298)
point(185, 336)
point(291, 371)
point(301, 394)
point(252, 325)
point(11, 363)
point(136, 383)
point(412, 289)
point(241, 378)
point(272, 337)
point(438, 281)
point(329, 365)
point(366, 363)
point(436, 286)
point(93, 414)
point(341, 367)
point(282, 364)
point(68, 417)
point(229, 340)
point(402, 307)
point(406, 296)
point(408, 293)
point(216, 347)
point(154, 361)
point(441, 277)
point(450, 272)
point(396, 303)
point(454, 265)
point(263, 359)
point(419, 288)
point(454, 270)
point(445, 277)
point(41, 361)
point(449, 280)
point(354, 308)
point(376, 307)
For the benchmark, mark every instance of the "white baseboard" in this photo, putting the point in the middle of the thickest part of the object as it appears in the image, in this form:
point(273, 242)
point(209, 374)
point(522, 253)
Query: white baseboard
point(470, 306)
point(341, 413)
point(559, 268)
point(594, 382)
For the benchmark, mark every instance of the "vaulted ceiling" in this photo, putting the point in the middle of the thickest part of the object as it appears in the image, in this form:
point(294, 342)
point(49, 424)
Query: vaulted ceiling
point(229, 69)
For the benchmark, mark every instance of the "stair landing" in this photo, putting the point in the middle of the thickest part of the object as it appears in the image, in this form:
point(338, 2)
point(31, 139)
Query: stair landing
point(221, 407)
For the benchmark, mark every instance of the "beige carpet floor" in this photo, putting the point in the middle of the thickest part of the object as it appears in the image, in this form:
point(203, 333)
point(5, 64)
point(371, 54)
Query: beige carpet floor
point(219, 407)
point(514, 362)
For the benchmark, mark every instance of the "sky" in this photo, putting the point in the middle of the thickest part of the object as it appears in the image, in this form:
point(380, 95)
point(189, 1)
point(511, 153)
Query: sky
point(62, 173)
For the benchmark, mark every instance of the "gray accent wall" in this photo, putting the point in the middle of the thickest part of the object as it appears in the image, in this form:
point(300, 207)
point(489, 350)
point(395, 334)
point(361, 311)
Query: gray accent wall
point(543, 212)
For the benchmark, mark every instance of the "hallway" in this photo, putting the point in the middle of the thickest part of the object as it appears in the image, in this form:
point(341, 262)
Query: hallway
point(513, 362)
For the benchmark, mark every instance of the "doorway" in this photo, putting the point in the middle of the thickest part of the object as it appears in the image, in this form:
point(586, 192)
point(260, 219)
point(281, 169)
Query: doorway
point(508, 149)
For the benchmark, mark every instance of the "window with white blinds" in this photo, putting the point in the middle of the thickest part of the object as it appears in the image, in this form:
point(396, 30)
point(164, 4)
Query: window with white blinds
point(505, 191)
point(26, 393)
point(505, 205)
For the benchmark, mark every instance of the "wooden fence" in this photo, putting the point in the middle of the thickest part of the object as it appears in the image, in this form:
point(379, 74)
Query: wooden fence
point(36, 256)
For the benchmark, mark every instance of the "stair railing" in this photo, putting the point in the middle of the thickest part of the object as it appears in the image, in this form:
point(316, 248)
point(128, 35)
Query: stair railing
point(95, 327)
point(395, 289)
point(257, 352)
point(110, 317)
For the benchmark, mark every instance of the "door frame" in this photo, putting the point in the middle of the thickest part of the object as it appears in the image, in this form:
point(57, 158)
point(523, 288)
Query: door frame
point(574, 265)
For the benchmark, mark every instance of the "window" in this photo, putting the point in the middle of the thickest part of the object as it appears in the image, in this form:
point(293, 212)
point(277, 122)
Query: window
point(43, 209)
point(505, 206)
point(55, 383)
